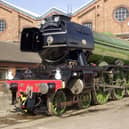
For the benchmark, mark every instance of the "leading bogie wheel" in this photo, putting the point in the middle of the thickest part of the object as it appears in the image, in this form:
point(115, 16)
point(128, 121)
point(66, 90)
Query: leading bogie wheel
point(56, 103)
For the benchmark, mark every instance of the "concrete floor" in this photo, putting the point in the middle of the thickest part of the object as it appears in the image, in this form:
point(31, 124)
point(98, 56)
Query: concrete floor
point(113, 115)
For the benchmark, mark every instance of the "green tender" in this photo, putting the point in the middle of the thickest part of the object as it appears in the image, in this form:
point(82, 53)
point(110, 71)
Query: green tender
point(109, 49)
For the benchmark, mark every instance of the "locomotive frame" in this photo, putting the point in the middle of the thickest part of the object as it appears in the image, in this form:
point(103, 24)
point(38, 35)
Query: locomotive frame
point(100, 85)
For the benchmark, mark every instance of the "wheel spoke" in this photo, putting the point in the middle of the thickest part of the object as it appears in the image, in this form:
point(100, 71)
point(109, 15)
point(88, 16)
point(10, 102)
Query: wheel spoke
point(127, 91)
point(102, 96)
point(84, 100)
point(118, 93)
point(57, 104)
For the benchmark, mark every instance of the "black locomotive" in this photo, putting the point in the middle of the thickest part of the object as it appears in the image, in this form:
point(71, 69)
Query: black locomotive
point(65, 48)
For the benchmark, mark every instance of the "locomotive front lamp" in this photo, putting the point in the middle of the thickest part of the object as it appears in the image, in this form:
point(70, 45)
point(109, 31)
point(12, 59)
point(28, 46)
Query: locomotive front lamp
point(56, 19)
point(58, 74)
point(43, 22)
point(75, 74)
point(50, 40)
point(84, 42)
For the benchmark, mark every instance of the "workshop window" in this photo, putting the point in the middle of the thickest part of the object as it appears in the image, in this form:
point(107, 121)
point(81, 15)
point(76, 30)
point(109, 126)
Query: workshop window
point(2, 25)
point(88, 24)
point(121, 14)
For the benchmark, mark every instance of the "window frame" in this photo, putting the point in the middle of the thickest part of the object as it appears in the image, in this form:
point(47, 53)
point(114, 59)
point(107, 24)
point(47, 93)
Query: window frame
point(3, 25)
point(120, 12)
point(88, 24)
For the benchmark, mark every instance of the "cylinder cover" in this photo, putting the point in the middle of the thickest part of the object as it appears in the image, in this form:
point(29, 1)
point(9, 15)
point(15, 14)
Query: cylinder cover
point(77, 86)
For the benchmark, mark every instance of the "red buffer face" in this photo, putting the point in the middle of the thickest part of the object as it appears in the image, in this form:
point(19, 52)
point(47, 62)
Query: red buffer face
point(37, 86)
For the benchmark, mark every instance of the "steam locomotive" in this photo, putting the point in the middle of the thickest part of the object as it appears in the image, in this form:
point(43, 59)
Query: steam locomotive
point(68, 75)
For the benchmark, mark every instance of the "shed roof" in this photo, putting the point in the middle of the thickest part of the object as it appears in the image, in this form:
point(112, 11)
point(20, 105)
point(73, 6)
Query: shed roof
point(86, 5)
point(10, 52)
point(52, 11)
point(19, 9)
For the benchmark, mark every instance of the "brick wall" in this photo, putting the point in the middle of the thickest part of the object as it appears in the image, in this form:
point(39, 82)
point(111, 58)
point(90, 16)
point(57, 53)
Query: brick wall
point(100, 13)
point(15, 21)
